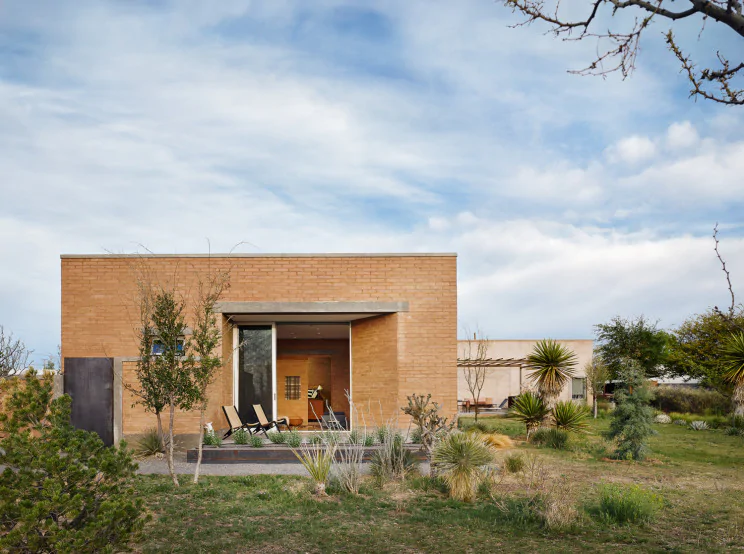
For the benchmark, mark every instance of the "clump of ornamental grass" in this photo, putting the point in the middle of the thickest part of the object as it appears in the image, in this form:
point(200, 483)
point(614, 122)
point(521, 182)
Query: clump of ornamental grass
point(622, 504)
point(461, 460)
point(514, 463)
point(149, 444)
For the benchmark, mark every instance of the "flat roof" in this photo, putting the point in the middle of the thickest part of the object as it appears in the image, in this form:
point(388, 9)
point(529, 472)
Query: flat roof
point(272, 255)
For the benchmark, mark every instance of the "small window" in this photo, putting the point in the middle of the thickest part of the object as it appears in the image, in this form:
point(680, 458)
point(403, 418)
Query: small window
point(578, 388)
point(158, 348)
point(292, 387)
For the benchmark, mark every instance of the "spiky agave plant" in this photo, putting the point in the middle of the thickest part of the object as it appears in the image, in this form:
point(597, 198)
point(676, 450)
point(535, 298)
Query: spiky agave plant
point(530, 409)
point(570, 416)
point(552, 365)
point(460, 460)
point(733, 356)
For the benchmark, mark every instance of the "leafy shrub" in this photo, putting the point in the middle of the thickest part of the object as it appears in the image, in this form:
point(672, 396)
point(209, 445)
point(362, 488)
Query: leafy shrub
point(149, 443)
point(212, 439)
point(369, 440)
point(460, 460)
point(241, 436)
point(278, 438)
point(662, 419)
point(255, 441)
point(497, 440)
point(514, 463)
point(623, 504)
point(530, 409)
point(699, 426)
point(690, 400)
point(570, 416)
point(294, 439)
point(62, 489)
point(550, 437)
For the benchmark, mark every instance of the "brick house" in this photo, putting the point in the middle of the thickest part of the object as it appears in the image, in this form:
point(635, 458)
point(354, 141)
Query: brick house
point(381, 326)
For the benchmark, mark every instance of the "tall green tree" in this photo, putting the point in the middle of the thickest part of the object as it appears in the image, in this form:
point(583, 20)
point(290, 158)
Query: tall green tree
point(632, 417)
point(696, 347)
point(635, 339)
point(552, 366)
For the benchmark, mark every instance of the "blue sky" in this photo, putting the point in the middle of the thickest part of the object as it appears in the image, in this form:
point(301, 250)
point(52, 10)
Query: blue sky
point(332, 126)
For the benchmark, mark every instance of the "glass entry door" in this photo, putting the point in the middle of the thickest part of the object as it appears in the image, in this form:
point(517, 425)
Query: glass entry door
point(255, 382)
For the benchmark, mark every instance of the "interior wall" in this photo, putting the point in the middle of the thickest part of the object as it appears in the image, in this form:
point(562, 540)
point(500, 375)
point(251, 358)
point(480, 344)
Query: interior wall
point(293, 366)
point(340, 377)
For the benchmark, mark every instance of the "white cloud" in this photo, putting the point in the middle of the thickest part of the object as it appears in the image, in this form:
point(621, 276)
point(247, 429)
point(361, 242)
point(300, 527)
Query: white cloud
point(631, 150)
point(681, 136)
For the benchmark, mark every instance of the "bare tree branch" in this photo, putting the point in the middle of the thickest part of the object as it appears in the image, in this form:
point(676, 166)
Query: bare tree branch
point(13, 354)
point(618, 49)
point(732, 308)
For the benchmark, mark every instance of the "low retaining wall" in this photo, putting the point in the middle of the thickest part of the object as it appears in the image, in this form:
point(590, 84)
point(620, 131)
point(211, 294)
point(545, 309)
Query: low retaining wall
point(278, 454)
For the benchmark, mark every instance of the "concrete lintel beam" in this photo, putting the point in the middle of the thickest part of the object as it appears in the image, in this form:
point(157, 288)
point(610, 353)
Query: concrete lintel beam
point(311, 307)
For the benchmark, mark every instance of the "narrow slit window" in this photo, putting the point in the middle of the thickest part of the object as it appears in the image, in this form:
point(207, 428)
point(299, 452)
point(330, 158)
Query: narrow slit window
point(292, 387)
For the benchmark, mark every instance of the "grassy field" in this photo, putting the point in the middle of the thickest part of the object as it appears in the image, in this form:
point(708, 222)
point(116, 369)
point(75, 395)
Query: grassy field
point(700, 476)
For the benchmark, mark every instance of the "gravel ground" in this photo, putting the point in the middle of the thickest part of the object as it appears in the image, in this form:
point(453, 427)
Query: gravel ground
point(157, 466)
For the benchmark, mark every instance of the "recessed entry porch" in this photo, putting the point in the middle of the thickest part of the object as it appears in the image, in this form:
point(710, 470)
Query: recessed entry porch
point(296, 359)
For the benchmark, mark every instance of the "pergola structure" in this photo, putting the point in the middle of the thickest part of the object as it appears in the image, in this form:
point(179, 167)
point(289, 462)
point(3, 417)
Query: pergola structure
point(492, 362)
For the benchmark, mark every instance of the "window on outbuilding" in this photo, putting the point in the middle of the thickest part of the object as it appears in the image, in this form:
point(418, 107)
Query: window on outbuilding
point(578, 388)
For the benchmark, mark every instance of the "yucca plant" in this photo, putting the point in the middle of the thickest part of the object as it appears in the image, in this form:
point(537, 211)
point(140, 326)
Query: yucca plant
point(530, 409)
point(552, 366)
point(460, 460)
point(317, 461)
point(699, 426)
point(570, 416)
point(733, 357)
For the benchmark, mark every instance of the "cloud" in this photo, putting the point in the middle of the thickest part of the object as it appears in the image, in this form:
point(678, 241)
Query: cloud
point(338, 126)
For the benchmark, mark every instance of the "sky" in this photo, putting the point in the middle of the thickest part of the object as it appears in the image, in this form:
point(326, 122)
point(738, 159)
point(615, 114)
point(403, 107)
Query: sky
point(388, 126)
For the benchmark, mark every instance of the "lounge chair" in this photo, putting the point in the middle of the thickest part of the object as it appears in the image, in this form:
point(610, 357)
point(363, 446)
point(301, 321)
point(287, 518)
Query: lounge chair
point(265, 424)
point(235, 423)
point(504, 404)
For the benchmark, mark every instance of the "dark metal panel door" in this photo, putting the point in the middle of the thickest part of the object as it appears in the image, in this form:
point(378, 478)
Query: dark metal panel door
point(90, 383)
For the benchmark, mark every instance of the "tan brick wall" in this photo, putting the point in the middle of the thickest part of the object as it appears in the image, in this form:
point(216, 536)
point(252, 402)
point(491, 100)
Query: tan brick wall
point(415, 351)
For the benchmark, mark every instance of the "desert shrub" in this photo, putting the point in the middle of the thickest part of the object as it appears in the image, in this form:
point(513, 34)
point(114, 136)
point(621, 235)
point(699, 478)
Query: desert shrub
point(316, 438)
point(570, 416)
point(519, 511)
point(317, 461)
point(734, 431)
point(356, 437)
point(699, 426)
point(148, 443)
point(662, 419)
point(557, 509)
point(680, 422)
point(460, 460)
point(632, 417)
point(497, 440)
point(293, 439)
point(714, 422)
point(550, 437)
point(514, 463)
point(369, 440)
point(278, 438)
point(530, 409)
point(416, 436)
point(255, 441)
point(690, 400)
point(465, 425)
point(623, 504)
point(62, 489)
point(212, 439)
point(331, 437)
point(392, 460)
point(241, 436)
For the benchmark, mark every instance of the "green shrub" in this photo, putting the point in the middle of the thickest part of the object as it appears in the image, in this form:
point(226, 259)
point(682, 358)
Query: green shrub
point(514, 463)
point(278, 438)
point(255, 441)
point(317, 462)
point(623, 504)
point(680, 422)
point(416, 436)
point(62, 489)
point(369, 440)
point(294, 439)
point(530, 409)
point(734, 431)
point(460, 460)
point(690, 400)
point(241, 436)
point(714, 422)
point(148, 443)
point(570, 416)
point(736, 421)
point(316, 438)
point(212, 439)
point(550, 437)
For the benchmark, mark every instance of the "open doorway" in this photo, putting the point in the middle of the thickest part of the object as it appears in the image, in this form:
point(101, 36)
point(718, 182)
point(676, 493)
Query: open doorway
point(313, 372)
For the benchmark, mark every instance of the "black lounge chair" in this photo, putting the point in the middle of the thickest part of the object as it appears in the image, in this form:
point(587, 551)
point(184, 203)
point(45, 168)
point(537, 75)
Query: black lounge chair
point(235, 423)
point(265, 424)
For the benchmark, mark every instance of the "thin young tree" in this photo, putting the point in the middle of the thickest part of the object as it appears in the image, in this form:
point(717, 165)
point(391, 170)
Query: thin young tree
point(475, 370)
point(170, 369)
point(597, 375)
point(204, 359)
